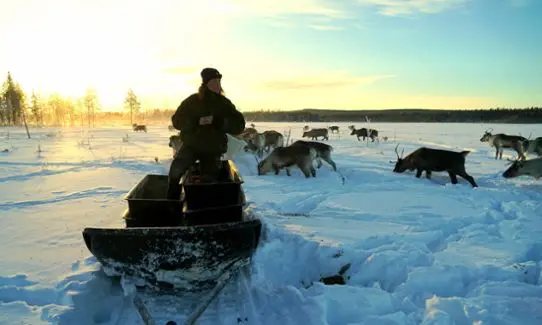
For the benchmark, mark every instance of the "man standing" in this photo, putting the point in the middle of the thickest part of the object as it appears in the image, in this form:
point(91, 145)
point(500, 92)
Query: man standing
point(203, 118)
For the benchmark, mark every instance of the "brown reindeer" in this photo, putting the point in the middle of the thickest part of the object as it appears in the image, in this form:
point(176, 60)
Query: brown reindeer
point(373, 134)
point(430, 160)
point(504, 141)
point(334, 129)
point(315, 133)
point(273, 139)
point(285, 157)
point(139, 127)
point(533, 146)
point(531, 167)
point(175, 143)
point(323, 152)
point(359, 133)
point(255, 144)
point(248, 134)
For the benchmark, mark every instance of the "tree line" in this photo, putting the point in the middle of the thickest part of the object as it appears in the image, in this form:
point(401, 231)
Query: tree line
point(493, 115)
point(16, 108)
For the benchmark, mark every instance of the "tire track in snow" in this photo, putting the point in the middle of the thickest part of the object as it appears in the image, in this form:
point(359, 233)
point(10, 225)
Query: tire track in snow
point(41, 173)
point(107, 191)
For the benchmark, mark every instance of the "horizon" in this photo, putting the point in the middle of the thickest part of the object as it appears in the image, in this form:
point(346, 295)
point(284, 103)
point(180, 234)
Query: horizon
point(353, 55)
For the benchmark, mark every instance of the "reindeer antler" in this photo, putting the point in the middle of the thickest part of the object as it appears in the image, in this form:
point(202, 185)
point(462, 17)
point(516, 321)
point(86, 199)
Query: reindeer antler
point(397, 153)
point(489, 130)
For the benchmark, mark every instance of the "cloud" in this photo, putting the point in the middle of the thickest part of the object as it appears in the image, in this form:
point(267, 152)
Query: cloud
point(409, 7)
point(324, 27)
point(323, 81)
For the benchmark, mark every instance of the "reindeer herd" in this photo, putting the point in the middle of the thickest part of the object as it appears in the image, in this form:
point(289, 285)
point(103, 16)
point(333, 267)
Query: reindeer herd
point(302, 154)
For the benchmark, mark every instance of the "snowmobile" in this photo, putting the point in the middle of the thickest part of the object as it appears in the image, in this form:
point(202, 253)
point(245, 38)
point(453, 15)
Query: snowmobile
point(192, 244)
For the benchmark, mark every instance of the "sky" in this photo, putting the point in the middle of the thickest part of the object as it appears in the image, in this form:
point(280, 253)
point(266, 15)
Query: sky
point(280, 54)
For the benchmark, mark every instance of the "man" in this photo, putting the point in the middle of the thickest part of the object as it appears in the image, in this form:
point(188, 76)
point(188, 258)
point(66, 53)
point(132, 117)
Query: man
point(204, 119)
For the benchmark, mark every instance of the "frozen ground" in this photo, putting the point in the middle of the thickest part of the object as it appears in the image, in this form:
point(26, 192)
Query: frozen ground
point(421, 251)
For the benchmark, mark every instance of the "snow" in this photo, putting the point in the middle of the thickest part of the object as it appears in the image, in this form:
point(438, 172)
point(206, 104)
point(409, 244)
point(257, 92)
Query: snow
point(421, 251)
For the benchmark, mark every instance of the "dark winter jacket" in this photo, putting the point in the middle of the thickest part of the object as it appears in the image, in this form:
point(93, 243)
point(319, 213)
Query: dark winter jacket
point(207, 139)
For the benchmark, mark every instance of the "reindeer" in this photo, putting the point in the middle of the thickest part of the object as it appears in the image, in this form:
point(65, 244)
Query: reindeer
point(175, 143)
point(373, 134)
point(285, 157)
point(248, 134)
point(429, 160)
point(234, 145)
point(170, 128)
point(315, 133)
point(255, 144)
point(501, 141)
point(531, 167)
point(359, 133)
point(323, 152)
point(334, 129)
point(533, 146)
point(272, 139)
point(139, 127)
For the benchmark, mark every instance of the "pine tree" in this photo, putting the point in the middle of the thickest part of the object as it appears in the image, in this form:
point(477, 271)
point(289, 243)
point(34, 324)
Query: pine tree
point(14, 99)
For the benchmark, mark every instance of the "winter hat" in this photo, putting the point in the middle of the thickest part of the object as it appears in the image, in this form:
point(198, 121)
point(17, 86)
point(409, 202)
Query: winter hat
point(209, 73)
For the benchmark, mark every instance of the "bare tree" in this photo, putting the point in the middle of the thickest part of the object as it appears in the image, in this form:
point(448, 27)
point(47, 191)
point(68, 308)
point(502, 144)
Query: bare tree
point(132, 104)
point(36, 108)
point(92, 105)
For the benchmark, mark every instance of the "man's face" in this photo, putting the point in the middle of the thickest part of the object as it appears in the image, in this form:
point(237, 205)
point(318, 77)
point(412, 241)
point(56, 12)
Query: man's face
point(215, 85)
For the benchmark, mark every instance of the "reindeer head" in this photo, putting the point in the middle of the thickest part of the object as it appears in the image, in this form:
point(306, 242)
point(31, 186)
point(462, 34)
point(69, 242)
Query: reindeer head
point(353, 130)
point(305, 134)
point(175, 142)
point(402, 164)
point(351, 127)
point(250, 147)
point(306, 128)
point(515, 169)
point(486, 136)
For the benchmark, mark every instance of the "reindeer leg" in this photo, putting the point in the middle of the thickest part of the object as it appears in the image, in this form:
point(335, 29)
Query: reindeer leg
point(468, 177)
point(331, 162)
point(313, 172)
point(428, 174)
point(419, 173)
point(319, 161)
point(276, 169)
point(288, 172)
point(453, 177)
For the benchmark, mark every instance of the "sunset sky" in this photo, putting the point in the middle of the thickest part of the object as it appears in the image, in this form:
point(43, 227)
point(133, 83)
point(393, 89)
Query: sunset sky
point(280, 54)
